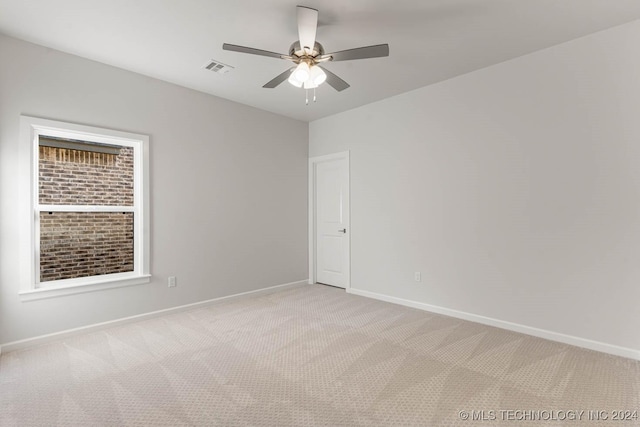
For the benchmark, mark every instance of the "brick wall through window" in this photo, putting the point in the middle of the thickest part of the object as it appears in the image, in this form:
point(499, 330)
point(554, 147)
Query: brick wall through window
point(82, 244)
point(74, 177)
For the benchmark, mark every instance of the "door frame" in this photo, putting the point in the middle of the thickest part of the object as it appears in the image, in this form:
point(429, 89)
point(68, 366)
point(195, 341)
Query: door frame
point(313, 162)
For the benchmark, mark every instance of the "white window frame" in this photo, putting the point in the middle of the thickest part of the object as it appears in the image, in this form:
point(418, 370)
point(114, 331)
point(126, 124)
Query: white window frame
point(31, 128)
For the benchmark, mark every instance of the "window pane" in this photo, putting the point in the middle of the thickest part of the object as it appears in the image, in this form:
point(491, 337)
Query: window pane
point(81, 173)
point(82, 244)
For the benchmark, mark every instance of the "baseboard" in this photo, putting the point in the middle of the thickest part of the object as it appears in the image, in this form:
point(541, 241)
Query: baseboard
point(536, 332)
point(43, 339)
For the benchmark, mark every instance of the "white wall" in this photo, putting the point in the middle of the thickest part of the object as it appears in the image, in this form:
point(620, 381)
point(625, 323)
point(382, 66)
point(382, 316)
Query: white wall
point(228, 183)
point(515, 190)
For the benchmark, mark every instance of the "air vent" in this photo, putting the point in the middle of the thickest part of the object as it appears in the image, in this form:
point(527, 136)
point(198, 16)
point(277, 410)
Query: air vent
point(218, 67)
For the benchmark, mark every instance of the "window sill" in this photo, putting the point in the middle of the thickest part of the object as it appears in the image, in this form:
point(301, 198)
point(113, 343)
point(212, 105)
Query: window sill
point(94, 285)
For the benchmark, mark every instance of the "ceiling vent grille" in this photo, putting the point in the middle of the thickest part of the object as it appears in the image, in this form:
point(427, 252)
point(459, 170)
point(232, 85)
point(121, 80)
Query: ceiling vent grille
point(217, 67)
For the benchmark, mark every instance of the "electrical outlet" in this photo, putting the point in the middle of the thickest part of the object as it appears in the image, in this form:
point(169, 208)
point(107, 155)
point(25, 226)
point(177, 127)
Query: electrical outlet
point(172, 282)
point(417, 276)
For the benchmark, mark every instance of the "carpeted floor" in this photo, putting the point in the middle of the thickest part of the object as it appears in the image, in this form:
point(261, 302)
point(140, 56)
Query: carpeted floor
point(307, 356)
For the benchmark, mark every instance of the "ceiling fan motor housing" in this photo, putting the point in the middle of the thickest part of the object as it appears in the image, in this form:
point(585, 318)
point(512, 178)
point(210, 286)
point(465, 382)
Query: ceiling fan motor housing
point(296, 51)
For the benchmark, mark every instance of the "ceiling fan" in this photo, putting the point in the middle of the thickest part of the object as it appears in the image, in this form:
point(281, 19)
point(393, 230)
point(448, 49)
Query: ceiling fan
point(307, 54)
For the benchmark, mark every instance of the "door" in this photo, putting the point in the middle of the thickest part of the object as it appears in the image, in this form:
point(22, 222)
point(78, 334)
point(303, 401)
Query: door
point(331, 209)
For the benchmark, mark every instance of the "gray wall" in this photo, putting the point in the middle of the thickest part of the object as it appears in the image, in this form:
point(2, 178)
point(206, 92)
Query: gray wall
point(515, 190)
point(228, 187)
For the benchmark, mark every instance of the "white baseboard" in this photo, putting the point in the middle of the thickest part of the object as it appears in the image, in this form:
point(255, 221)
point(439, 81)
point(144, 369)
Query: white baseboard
point(43, 339)
point(536, 332)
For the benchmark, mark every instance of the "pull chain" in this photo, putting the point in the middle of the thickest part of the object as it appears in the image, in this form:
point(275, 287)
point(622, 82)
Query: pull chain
point(306, 95)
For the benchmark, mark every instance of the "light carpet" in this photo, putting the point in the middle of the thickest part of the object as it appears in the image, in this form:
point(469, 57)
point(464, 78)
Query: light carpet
point(308, 356)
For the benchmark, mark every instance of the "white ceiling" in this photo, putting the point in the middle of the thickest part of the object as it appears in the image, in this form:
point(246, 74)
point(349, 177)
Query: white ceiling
point(430, 40)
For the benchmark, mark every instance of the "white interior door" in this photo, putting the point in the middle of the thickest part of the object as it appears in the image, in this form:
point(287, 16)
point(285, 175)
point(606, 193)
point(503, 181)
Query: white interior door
point(332, 221)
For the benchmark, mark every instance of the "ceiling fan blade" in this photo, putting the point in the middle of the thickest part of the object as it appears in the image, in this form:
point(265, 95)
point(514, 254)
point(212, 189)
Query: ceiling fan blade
point(334, 81)
point(243, 49)
point(307, 26)
point(376, 51)
point(278, 79)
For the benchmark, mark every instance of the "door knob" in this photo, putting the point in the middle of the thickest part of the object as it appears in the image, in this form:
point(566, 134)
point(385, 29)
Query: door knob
point(344, 230)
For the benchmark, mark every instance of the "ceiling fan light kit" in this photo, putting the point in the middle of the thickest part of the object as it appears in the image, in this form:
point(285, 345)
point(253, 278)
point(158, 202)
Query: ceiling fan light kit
point(307, 54)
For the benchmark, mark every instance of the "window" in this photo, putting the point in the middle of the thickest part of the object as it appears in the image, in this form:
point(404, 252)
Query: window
point(88, 209)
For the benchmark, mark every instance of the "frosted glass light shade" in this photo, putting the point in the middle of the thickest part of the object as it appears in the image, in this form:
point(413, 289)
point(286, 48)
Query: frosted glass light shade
point(317, 75)
point(301, 73)
point(292, 79)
